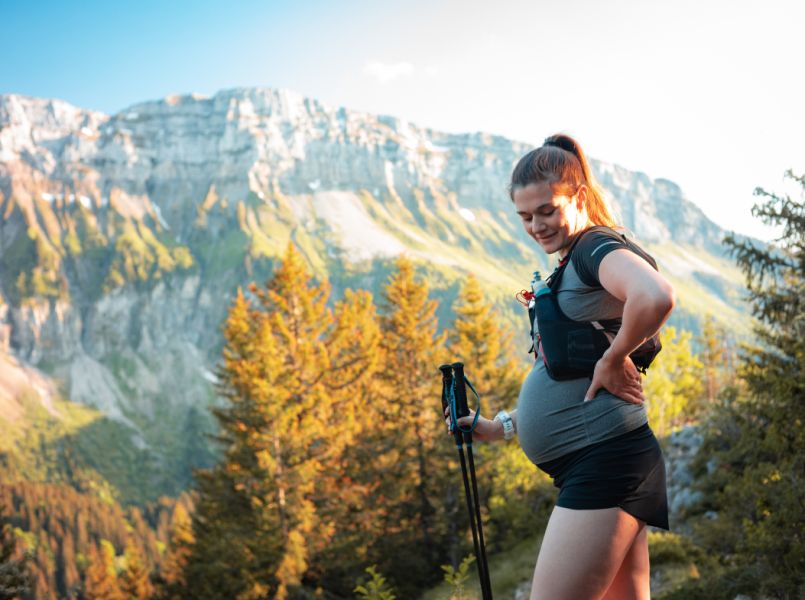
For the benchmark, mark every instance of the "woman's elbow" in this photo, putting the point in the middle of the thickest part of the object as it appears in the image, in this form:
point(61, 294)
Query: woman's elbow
point(665, 300)
point(658, 300)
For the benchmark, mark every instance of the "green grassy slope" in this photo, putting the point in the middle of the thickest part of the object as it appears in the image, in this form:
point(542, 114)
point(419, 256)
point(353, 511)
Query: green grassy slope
point(674, 561)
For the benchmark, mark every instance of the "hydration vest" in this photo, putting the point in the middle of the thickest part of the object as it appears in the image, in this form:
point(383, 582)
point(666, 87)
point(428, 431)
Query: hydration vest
point(570, 349)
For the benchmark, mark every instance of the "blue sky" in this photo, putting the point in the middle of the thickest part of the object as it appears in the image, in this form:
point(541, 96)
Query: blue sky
point(707, 94)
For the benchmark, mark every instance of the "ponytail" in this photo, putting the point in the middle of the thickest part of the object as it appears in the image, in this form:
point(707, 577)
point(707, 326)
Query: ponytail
point(560, 162)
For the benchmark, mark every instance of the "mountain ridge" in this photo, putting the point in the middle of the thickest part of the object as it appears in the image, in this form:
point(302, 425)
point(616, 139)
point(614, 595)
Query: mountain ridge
point(247, 106)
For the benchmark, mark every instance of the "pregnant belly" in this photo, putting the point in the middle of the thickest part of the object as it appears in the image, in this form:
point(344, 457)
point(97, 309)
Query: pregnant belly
point(553, 419)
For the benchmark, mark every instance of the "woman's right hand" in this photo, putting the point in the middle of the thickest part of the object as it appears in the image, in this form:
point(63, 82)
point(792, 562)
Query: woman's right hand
point(486, 430)
point(618, 376)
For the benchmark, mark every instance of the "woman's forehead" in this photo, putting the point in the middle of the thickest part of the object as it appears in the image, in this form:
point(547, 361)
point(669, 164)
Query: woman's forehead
point(534, 195)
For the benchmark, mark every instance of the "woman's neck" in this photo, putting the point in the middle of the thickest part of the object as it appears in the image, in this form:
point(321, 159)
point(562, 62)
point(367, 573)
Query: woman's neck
point(572, 239)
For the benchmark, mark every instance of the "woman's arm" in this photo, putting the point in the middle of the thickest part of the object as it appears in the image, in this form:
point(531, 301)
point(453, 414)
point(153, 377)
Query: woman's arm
point(486, 430)
point(648, 301)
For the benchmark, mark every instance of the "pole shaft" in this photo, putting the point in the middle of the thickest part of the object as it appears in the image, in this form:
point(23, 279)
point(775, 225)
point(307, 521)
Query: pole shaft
point(486, 585)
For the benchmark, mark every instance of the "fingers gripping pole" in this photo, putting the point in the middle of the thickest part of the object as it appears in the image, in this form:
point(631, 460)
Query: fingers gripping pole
point(448, 400)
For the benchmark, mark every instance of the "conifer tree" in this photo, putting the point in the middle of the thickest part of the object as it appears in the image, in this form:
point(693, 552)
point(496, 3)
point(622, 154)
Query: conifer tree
point(755, 483)
point(478, 340)
point(346, 487)
point(180, 546)
point(296, 448)
point(712, 356)
point(135, 582)
point(226, 523)
point(412, 454)
point(13, 574)
point(717, 360)
point(100, 578)
point(673, 384)
point(271, 508)
point(72, 576)
point(232, 525)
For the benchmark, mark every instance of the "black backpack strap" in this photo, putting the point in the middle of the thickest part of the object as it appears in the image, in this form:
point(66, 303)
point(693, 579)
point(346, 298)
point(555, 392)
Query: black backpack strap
point(555, 280)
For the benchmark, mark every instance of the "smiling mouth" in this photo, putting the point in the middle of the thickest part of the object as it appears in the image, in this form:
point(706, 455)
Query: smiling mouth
point(545, 238)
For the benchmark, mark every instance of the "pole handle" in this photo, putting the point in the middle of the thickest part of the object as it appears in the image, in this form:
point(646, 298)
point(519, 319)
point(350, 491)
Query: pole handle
point(462, 409)
point(447, 382)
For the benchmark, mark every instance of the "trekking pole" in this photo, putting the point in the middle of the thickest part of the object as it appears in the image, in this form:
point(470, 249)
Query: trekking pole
point(461, 401)
point(448, 400)
point(457, 411)
point(457, 402)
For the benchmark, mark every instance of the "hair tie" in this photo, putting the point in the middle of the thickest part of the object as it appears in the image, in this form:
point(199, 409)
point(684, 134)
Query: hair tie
point(562, 143)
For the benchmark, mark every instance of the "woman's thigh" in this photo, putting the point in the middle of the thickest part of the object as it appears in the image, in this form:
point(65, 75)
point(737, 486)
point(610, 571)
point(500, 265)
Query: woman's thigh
point(581, 553)
point(633, 580)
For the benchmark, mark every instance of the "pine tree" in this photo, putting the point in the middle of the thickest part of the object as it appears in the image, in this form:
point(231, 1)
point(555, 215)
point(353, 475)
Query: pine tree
point(100, 578)
point(673, 384)
point(297, 444)
point(135, 582)
point(718, 360)
point(13, 574)
point(411, 452)
point(72, 576)
point(347, 503)
point(233, 537)
point(752, 464)
point(478, 340)
point(271, 509)
point(179, 548)
point(713, 356)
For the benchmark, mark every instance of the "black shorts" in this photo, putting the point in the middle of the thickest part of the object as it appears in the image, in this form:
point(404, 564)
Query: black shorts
point(626, 471)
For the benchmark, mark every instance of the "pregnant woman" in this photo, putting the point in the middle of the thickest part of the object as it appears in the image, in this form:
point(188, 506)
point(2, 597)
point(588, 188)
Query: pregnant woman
point(590, 433)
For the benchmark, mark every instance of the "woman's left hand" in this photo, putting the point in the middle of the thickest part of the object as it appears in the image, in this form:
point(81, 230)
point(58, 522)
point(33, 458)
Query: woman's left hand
point(619, 377)
point(486, 430)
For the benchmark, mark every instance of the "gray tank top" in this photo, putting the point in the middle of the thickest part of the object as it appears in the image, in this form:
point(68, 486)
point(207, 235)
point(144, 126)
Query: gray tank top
point(552, 417)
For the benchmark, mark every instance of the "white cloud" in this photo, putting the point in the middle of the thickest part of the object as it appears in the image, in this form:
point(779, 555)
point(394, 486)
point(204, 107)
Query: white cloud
point(467, 214)
point(387, 72)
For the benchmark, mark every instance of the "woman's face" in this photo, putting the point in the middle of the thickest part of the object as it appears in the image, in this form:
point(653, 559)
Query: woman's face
point(551, 218)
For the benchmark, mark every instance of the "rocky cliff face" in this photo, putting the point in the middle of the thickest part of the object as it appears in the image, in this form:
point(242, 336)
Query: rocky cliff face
point(123, 237)
point(162, 157)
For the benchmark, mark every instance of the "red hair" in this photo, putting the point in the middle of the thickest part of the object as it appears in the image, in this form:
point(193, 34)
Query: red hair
point(561, 163)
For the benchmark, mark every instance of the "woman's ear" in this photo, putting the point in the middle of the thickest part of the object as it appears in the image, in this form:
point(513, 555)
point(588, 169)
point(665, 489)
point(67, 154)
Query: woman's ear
point(581, 197)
